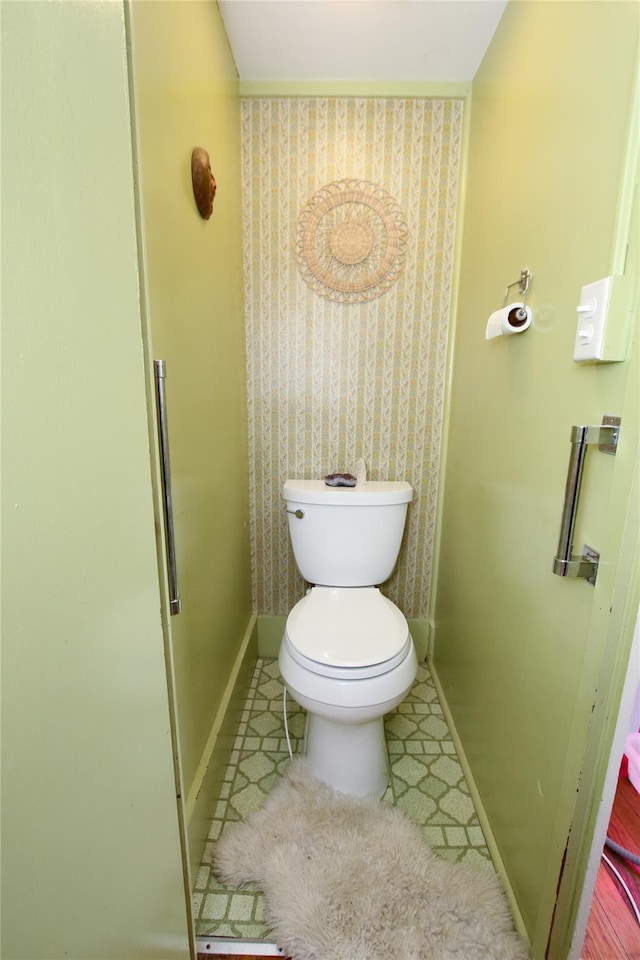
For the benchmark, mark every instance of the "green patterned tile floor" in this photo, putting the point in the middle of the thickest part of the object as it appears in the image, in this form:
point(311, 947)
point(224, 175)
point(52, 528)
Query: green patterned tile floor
point(427, 782)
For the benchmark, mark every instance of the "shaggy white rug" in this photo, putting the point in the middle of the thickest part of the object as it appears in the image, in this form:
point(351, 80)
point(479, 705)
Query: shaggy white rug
point(352, 879)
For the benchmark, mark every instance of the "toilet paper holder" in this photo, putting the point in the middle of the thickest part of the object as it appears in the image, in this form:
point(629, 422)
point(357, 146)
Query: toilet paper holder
point(516, 317)
point(523, 283)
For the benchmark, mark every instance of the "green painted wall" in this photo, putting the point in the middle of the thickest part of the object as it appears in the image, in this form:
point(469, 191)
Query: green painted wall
point(186, 95)
point(517, 650)
point(91, 860)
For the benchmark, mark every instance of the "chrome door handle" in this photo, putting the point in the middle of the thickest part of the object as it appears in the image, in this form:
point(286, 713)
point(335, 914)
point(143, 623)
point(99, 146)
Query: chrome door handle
point(564, 563)
point(175, 604)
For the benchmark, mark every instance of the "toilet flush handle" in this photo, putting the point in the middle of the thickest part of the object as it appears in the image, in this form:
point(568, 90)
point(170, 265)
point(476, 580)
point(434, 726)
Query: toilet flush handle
point(297, 513)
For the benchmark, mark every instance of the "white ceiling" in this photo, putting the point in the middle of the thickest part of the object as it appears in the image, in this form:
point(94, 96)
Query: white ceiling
point(427, 40)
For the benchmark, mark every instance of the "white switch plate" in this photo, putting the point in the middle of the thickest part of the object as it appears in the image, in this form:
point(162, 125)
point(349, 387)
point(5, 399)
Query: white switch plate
point(592, 320)
point(603, 321)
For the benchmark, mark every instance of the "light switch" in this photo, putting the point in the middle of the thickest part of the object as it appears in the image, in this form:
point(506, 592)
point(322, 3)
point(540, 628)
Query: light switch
point(603, 321)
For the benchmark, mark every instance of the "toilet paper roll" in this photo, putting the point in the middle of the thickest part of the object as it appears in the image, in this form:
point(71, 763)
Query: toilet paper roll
point(516, 318)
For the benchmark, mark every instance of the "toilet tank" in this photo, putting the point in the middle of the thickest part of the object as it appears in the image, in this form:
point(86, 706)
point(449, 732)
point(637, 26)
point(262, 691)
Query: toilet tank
point(346, 536)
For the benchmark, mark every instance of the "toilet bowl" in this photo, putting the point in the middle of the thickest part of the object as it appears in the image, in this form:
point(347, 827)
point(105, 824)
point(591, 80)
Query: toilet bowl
point(347, 656)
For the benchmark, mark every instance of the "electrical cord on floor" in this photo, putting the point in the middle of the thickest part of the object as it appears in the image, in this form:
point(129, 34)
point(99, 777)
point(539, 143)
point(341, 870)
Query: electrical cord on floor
point(627, 854)
point(286, 725)
point(624, 886)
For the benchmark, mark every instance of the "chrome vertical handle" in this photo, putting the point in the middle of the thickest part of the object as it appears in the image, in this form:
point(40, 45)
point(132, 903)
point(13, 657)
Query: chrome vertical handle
point(563, 559)
point(160, 371)
point(564, 563)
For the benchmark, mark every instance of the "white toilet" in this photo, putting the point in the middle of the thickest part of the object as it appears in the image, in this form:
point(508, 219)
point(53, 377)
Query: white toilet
point(347, 655)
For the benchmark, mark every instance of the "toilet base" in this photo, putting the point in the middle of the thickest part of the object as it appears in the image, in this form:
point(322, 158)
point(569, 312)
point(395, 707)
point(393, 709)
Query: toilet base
point(350, 757)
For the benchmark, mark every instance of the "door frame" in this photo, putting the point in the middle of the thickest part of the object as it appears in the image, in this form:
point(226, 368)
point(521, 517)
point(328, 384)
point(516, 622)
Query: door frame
point(631, 686)
point(613, 700)
point(155, 468)
point(605, 745)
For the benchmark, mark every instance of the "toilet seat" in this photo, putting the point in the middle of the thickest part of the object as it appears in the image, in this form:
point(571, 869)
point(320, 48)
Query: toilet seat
point(347, 633)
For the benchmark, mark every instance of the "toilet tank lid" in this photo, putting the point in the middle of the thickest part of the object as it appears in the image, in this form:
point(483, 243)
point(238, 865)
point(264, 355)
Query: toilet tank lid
point(371, 493)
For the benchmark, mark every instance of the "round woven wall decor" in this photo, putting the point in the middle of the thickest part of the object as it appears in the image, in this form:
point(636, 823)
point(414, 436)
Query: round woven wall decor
point(351, 241)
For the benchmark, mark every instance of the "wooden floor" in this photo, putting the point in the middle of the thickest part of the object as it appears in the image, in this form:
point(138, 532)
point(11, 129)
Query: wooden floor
point(613, 932)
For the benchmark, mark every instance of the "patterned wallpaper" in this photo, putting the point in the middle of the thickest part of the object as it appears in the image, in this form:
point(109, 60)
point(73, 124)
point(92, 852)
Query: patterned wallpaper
point(330, 382)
